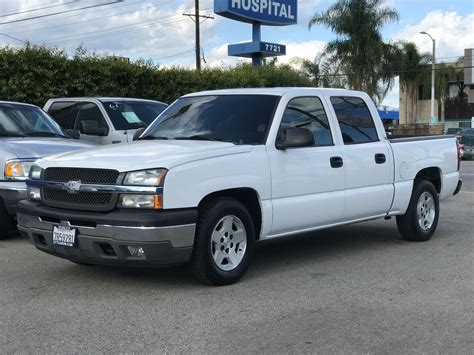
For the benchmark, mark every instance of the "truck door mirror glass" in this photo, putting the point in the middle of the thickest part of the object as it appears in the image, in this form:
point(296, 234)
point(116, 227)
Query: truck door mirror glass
point(92, 128)
point(294, 137)
point(138, 133)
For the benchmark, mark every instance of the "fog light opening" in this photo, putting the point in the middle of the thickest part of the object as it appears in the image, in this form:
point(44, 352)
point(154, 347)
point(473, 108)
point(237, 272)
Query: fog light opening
point(136, 251)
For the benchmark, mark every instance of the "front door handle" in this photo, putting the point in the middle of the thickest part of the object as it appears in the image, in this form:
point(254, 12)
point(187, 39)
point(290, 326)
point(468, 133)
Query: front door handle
point(380, 158)
point(337, 162)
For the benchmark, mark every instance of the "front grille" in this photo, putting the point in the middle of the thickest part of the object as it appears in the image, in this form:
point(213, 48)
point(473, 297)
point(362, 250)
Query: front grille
point(86, 201)
point(82, 199)
point(86, 176)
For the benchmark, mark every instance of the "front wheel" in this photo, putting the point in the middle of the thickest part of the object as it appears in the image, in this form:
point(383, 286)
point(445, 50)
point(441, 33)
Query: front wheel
point(419, 222)
point(224, 243)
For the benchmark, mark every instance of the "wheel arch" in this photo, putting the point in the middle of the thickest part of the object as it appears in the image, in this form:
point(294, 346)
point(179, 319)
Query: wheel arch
point(249, 197)
point(432, 174)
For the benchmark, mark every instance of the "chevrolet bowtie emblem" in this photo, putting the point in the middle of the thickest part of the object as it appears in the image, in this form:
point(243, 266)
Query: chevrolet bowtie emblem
point(72, 187)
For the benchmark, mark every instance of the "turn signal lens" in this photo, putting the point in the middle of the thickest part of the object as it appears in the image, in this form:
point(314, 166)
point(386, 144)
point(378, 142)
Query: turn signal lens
point(141, 201)
point(17, 169)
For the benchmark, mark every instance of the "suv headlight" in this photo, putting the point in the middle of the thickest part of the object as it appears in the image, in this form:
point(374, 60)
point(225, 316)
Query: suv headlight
point(18, 169)
point(152, 177)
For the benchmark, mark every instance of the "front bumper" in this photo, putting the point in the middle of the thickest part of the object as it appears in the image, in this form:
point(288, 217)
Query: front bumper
point(166, 237)
point(12, 192)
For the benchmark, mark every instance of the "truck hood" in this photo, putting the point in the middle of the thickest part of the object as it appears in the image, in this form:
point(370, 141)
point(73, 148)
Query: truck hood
point(39, 147)
point(144, 155)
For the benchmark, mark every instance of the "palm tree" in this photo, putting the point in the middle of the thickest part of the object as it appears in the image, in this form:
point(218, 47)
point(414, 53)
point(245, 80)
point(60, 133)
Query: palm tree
point(409, 64)
point(359, 46)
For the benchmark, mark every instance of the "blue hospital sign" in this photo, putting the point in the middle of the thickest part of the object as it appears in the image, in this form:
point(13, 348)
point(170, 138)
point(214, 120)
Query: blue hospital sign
point(258, 13)
point(266, 12)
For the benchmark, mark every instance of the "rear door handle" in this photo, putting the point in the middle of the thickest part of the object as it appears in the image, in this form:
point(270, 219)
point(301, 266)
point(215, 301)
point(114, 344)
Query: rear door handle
point(380, 158)
point(337, 162)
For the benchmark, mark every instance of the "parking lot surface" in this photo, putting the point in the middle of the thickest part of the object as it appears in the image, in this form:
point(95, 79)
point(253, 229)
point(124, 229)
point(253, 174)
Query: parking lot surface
point(357, 288)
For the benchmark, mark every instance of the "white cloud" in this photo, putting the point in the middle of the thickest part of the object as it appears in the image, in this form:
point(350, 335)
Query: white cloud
point(453, 33)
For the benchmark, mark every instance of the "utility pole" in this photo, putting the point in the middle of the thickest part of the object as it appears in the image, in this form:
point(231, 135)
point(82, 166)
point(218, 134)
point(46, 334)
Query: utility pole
point(198, 35)
point(196, 17)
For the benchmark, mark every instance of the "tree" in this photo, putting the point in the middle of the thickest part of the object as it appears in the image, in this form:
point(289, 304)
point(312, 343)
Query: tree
point(359, 47)
point(409, 64)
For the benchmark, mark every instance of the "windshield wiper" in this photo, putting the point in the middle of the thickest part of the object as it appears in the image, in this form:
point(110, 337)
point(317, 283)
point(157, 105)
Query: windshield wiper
point(45, 134)
point(200, 137)
point(153, 138)
point(8, 134)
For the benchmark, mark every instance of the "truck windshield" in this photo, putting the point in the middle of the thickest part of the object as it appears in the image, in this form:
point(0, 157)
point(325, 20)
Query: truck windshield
point(238, 119)
point(21, 121)
point(132, 114)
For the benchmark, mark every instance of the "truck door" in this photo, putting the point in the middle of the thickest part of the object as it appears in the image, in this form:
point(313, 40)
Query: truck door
point(307, 182)
point(367, 158)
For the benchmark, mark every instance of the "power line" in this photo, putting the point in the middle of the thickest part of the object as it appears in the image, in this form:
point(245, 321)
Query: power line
point(407, 71)
point(173, 55)
point(38, 8)
point(61, 12)
point(89, 20)
point(118, 29)
point(73, 15)
point(17, 39)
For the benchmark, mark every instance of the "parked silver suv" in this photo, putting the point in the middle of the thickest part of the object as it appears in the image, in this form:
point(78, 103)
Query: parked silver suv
point(26, 134)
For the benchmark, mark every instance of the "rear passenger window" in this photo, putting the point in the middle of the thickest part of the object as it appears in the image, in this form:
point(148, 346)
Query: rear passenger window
point(64, 113)
point(355, 120)
point(308, 112)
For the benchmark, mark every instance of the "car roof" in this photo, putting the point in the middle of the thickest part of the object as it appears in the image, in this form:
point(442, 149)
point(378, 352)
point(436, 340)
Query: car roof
point(274, 91)
point(17, 103)
point(103, 99)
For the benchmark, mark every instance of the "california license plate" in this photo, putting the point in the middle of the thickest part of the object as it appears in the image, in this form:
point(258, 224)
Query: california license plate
point(64, 236)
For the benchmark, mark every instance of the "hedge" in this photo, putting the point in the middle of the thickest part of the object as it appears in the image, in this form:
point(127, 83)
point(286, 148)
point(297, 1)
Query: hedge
point(35, 74)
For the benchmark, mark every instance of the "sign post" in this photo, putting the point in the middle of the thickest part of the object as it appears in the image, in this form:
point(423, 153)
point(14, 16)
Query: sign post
point(258, 13)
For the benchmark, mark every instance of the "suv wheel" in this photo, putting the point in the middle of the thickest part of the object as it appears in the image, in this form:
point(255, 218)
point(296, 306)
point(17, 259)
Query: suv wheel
point(224, 243)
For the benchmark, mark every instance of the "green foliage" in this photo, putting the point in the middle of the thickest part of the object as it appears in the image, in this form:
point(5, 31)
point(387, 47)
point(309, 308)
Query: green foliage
point(359, 47)
point(35, 74)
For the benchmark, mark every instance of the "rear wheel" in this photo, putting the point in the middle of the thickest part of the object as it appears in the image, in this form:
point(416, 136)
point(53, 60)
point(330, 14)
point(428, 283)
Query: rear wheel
point(419, 223)
point(224, 243)
point(5, 221)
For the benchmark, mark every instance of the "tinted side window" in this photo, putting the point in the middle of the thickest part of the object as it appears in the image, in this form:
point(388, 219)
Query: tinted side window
point(90, 112)
point(355, 120)
point(308, 112)
point(63, 113)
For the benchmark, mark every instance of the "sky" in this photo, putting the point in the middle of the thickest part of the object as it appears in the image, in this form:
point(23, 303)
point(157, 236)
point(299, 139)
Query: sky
point(157, 29)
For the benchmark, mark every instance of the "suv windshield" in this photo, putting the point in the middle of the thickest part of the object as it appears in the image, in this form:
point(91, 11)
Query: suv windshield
point(21, 120)
point(238, 119)
point(132, 114)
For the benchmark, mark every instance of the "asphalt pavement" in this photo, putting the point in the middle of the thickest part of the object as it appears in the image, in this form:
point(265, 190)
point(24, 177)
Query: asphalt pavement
point(353, 289)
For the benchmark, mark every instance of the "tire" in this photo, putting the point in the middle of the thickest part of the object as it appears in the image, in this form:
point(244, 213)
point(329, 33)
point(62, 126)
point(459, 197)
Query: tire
point(419, 222)
point(5, 221)
point(220, 257)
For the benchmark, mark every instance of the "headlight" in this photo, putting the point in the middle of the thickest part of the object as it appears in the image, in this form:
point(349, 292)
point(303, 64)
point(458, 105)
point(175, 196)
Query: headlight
point(141, 201)
point(17, 169)
point(35, 172)
point(153, 177)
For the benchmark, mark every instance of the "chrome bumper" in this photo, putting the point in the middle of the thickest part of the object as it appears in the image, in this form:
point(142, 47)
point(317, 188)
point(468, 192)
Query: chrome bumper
point(109, 244)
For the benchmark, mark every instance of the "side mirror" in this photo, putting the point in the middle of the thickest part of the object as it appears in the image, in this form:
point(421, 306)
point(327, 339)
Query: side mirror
point(138, 133)
point(72, 133)
point(293, 137)
point(92, 128)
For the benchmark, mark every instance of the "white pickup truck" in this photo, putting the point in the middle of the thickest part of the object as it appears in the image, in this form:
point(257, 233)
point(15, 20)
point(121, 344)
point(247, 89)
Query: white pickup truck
point(219, 171)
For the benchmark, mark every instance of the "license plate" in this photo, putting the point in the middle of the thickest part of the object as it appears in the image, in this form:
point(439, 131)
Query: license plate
point(64, 236)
